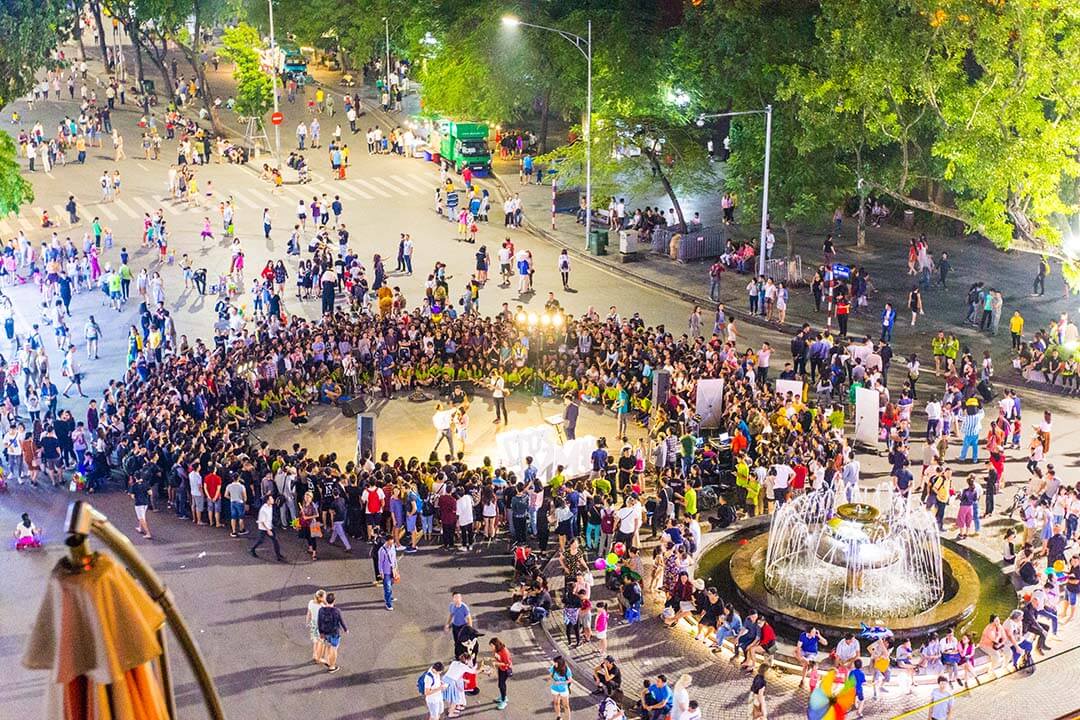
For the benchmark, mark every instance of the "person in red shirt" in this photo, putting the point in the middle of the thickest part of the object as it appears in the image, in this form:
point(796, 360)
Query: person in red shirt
point(447, 508)
point(373, 505)
point(798, 482)
point(843, 308)
point(504, 666)
point(212, 491)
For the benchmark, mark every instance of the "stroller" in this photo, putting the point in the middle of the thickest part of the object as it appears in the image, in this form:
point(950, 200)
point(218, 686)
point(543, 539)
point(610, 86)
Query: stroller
point(526, 565)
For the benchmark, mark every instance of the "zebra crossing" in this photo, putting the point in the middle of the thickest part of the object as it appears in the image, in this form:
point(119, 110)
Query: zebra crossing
point(370, 188)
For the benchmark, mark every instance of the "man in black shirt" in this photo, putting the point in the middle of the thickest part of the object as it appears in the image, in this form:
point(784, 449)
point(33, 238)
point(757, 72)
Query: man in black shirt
point(140, 493)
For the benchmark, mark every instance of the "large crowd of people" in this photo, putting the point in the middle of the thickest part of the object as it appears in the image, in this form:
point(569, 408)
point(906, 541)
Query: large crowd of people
point(182, 427)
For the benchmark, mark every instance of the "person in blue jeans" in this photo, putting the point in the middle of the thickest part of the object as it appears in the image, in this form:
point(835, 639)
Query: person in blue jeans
point(662, 699)
point(388, 570)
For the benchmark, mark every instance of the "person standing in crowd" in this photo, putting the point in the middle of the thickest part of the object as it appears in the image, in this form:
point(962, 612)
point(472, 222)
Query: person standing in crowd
point(331, 626)
point(504, 668)
point(265, 523)
point(460, 617)
point(388, 570)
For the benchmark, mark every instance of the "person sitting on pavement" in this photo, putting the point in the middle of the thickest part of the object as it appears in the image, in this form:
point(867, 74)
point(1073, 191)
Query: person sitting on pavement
point(607, 676)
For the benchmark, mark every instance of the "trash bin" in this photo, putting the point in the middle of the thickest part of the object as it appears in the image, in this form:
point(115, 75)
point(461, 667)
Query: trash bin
point(909, 219)
point(598, 240)
point(148, 87)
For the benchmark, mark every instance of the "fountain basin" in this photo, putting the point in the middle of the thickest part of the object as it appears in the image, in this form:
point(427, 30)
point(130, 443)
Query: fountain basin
point(959, 597)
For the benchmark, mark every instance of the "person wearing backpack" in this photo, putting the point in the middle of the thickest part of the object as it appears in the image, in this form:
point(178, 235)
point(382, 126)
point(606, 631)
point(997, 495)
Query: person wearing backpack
point(430, 686)
point(331, 625)
point(607, 527)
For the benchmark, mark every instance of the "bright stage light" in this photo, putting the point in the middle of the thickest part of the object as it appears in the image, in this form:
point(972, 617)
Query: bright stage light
point(545, 320)
point(533, 319)
point(557, 320)
point(520, 318)
point(510, 21)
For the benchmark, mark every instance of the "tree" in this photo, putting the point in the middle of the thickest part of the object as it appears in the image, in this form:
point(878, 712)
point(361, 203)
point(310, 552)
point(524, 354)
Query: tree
point(28, 34)
point(254, 88)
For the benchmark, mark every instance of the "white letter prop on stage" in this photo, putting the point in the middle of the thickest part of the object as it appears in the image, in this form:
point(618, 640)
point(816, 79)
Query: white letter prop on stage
point(710, 402)
point(866, 416)
point(541, 444)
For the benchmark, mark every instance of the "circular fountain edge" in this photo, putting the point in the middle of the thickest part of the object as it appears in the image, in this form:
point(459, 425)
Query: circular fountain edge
point(747, 568)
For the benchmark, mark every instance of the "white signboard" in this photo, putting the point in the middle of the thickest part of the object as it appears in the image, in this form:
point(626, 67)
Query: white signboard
point(710, 402)
point(795, 387)
point(541, 444)
point(866, 416)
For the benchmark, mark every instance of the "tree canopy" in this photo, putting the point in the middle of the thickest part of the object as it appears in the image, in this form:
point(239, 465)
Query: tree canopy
point(241, 44)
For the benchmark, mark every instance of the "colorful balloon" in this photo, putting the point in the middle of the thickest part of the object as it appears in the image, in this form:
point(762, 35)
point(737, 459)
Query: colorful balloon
point(619, 549)
point(600, 563)
point(612, 559)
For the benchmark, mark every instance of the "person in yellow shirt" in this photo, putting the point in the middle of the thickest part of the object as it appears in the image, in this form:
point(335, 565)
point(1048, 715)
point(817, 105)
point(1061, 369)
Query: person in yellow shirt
point(1016, 327)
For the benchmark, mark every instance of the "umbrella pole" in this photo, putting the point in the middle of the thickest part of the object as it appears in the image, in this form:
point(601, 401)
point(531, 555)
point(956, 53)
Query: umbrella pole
point(82, 521)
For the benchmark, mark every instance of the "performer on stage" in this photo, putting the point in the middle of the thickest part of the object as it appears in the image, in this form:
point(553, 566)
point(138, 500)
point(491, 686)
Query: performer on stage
point(443, 420)
point(570, 414)
point(498, 392)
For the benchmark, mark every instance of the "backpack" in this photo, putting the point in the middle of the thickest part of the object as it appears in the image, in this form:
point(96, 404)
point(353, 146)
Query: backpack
point(420, 681)
point(607, 521)
point(327, 621)
point(602, 709)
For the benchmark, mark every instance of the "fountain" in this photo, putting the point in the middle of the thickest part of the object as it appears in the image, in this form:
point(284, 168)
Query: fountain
point(877, 556)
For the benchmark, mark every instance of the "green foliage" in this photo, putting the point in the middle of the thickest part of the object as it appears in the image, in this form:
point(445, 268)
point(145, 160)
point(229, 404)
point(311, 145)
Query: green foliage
point(15, 191)
point(28, 34)
point(254, 88)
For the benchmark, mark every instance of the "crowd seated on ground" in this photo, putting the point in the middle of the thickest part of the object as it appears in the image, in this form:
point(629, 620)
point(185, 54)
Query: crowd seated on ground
point(1052, 356)
point(738, 256)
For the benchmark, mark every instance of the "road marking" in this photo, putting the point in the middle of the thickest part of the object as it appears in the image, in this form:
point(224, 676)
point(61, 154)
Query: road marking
point(144, 205)
point(107, 211)
point(354, 192)
point(28, 226)
point(378, 191)
point(244, 199)
point(392, 186)
point(142, 167)
point(415, 183)
point(295, 191)
point(128, 210)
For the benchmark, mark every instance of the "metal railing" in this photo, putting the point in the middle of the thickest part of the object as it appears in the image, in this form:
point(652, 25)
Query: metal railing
point(695, 244)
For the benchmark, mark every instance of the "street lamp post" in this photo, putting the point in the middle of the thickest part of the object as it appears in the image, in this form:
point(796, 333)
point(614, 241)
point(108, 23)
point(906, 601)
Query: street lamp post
point(765, 181)
point(584, 46)
point(274, 77)
point(386, 23)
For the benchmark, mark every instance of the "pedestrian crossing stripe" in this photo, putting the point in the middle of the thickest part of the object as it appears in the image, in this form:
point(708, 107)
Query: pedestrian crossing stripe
point(295, 191)
point(378, 191)
point(58, 211)
point(393, 182)
point(413, 182)
point(128, 210)
point(352, 191)
point(392, 186)
point(243, 198)
point(104, 209)
point(26, 224)
point(143, 204)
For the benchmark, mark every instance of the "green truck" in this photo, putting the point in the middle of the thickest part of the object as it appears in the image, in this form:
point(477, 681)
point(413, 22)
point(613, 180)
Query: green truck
point(465, 145)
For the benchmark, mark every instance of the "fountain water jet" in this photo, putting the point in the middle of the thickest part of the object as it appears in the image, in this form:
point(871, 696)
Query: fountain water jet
point(878, 556)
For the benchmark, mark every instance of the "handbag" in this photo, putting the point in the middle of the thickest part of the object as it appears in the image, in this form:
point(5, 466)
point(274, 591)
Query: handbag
point(315, 529)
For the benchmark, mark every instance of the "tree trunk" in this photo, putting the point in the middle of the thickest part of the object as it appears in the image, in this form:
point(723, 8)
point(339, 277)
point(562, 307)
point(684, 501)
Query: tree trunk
point(789, 237)
point(860, 230)
point(193, 55)
point(137, 49)
point(95, 8)
point(158, 58)
point(78, 30)
point(545, 112)
point(658, 170)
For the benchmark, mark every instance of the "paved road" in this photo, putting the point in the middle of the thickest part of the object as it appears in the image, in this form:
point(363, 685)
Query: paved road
point(247, 614)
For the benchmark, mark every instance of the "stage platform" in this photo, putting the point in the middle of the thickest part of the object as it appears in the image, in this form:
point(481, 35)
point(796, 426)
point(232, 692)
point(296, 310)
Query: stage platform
point(404, 428)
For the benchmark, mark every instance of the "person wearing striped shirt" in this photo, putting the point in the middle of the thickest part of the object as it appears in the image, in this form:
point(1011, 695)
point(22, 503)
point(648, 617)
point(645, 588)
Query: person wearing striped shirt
point(970, 428)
